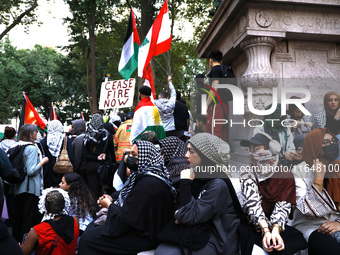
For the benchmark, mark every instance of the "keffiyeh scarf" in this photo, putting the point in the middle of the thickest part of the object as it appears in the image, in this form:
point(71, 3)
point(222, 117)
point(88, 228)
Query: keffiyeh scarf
point(150, 162)
point(42, 206)
point(173, 151)
point(55, 137)
point(172, 147)
point(95, 128)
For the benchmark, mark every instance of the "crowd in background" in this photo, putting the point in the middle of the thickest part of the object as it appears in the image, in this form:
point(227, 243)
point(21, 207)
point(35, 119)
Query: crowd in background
point(139, 186)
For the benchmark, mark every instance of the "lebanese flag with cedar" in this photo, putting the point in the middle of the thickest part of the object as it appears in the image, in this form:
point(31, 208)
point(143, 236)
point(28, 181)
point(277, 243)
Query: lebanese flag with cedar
point(157, 41)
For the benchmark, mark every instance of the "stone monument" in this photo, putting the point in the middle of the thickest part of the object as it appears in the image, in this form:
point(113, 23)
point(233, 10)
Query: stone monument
point(276, 43)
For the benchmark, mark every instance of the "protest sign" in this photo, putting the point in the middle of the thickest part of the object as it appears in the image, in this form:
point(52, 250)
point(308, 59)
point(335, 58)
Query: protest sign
point(117, 94)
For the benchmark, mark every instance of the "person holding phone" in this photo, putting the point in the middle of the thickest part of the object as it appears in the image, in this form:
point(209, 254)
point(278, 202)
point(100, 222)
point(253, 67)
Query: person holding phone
point(268, 194)
point(317, 213)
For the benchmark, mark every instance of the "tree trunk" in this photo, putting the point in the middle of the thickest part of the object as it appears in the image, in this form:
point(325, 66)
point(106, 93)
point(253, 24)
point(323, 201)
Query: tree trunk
point(92, 37)
point(87, 79)
point(147, 12)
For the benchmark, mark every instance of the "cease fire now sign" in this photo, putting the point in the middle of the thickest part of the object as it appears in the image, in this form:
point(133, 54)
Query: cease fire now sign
point(117, 94)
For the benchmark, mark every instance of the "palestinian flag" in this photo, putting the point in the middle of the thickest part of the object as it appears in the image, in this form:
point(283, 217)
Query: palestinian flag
point(30, 116)
point(146, 118)
point(129, 58)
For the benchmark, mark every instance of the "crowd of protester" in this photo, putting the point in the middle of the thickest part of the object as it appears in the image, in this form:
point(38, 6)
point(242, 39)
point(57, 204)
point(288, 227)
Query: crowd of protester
point(138, 187)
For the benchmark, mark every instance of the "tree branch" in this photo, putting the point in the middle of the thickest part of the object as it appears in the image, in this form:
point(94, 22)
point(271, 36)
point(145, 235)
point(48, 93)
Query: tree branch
point(18, 19)
point(159, 64)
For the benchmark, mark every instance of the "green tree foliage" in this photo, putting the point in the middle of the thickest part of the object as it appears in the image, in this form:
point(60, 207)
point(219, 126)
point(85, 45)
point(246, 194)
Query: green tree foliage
point(12, 75)
point(37, 72)
point(14, 12)
point(88, 18)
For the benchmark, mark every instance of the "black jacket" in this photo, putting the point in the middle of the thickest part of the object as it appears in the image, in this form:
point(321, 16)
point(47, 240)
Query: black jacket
point(214, 203)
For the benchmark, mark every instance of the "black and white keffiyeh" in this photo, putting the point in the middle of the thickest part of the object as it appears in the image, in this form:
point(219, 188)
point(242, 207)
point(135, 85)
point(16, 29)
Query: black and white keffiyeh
point(95, 128)
point(55, 137)
point(173, 151)
point(172, 147)
point(150, 162)
point(42, 204)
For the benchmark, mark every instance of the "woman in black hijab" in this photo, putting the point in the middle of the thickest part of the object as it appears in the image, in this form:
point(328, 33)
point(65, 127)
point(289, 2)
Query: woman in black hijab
point(143, 208)
point(98, 150)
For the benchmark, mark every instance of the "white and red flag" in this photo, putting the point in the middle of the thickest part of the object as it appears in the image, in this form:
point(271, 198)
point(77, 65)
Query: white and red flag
point(157, 41)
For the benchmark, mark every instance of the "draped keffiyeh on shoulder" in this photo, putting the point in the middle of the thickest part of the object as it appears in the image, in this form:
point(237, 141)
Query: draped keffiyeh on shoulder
point(55, 137)
point(150, 162)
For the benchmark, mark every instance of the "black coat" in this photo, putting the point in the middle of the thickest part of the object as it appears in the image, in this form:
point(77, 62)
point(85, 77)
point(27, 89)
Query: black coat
point(52, 179)
point(214, 203)
point(133, 227)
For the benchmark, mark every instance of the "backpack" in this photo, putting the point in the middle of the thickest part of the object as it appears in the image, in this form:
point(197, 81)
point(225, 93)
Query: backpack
point(227, 72)
point(15, 156)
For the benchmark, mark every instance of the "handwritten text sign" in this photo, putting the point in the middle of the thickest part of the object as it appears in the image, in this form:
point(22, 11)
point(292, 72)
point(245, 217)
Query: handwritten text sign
point(117, 94)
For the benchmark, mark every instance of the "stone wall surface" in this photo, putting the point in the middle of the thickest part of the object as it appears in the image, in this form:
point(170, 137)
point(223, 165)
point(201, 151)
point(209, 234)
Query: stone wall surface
point(278, 43)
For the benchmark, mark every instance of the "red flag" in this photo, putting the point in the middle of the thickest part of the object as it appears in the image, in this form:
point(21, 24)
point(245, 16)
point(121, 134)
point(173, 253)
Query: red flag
point(157, 41)
point(52, 115)
point(30, 116)
point(149, 80)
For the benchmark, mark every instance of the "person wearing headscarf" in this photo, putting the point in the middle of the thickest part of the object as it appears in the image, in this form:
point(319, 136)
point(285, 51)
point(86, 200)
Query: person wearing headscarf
point(268, 195)
point(116, 121)
point(281, 134)
point(303, 122)
point(98, 150)
point(173, 151)
point(144, 206)
point(78, 128)
point(317, 213)
point(330, 115)
point(52, 145)
point(54, 204)
point(213, 201)
point(110, 128)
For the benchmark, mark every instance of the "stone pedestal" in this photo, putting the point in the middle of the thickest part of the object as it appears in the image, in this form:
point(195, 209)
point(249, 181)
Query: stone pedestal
point(280, 43)
point(259, 74)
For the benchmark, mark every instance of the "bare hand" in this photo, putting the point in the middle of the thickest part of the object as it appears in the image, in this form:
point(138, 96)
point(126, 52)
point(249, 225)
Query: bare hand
point(176, 221)
point(104, 201)
point(266, 242)
point(329, 227)
point(169, 78)
point(337, 115)
point(102, 156)
point(319, 169)
point(291, 155)
point(44, 160)
point(278, 243)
